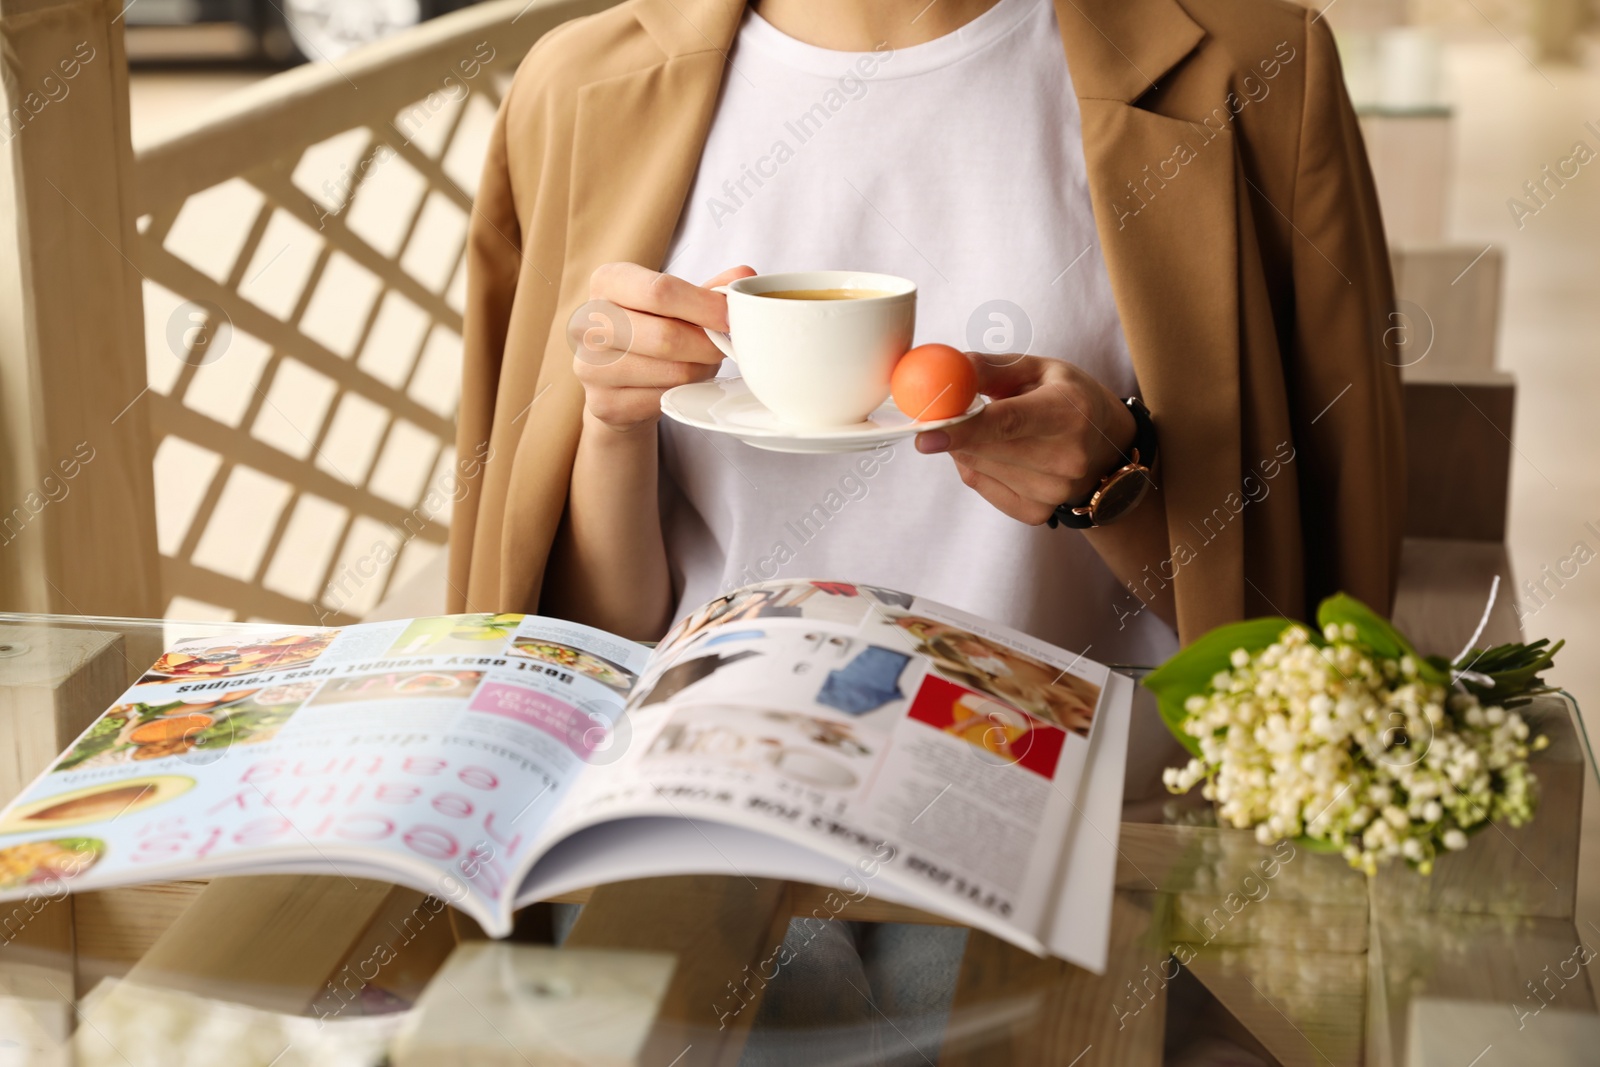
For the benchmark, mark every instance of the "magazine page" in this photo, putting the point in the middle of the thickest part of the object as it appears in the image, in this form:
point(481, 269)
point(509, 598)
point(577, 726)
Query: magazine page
point(860, 721)
point(620, 849)
point(430, 751)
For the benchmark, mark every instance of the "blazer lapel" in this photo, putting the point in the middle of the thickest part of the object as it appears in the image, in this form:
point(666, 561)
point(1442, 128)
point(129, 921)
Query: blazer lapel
point(637, 138)
point(637, 141)
point(1165, 206)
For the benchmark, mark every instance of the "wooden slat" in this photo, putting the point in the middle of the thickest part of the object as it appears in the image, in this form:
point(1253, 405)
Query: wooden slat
point(261, 135)
point(179, 276)
point(38, 979)
point(1450, 305)
point(287, 196)
point(248, 601)
point(404, 945)
point(192, 361)
point(181, 421)
point(1458, 453)
point(72, 366)
point(207, 506)
point(54, 682)
point(271, 941)
point(116, 927)
point(1443, 588)
point(251, 127)
point(340, 542)
point(158, 224)
point(717, 927)
point(431, 169)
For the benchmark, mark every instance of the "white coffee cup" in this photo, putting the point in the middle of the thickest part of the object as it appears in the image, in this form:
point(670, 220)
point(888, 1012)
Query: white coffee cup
point(818, 362)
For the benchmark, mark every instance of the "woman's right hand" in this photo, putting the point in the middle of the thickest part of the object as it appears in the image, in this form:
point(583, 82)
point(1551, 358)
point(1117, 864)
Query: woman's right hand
point(626, 366)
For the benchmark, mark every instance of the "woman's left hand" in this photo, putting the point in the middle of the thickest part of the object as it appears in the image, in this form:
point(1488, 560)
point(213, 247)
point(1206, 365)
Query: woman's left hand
point(1049, 434)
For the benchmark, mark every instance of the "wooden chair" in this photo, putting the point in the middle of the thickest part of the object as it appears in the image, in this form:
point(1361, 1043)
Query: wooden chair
point(250, 323)
point(1459, 450)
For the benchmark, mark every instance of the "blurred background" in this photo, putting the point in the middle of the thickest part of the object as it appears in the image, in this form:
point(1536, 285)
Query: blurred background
point(263, 32)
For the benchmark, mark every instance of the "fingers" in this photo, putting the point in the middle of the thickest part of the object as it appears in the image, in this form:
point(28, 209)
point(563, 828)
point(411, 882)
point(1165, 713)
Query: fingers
point(1060, 456)
point(1007, 375)
point(1027, 481)
point(656, 337)
point(641, 289)
point(1004, 498)
point(1010, 419)
point(626, 366)
point(635, 371)
point(622, 333)
point(732, 274)
point(624, 408)
point(1043, 439)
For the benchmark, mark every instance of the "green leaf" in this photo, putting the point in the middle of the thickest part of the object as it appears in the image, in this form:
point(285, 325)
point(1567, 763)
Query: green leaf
point(1190, 670)
point(1374, 631)
point(1513, 670)
point(1438, 663)
point(1317, 844)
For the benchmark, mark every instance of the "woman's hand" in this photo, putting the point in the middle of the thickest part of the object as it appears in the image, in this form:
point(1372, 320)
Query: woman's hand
point(1050, 433)
point(658, 343)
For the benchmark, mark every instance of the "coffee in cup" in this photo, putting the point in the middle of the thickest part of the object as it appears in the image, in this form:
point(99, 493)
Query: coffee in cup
point(817, 347)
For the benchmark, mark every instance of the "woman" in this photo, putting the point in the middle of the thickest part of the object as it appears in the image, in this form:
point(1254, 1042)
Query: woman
point(1204, 168)
point(1107, 199)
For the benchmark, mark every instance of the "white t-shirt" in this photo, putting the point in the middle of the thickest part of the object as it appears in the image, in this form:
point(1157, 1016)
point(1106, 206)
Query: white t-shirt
point(959, 164)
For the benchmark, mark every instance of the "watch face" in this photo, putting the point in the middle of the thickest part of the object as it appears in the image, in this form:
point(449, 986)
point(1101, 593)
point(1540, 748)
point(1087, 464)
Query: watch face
point(1125, 489)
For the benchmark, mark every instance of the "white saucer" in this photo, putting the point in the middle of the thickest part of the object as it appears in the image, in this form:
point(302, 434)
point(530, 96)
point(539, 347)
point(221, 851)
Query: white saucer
point(726, 406)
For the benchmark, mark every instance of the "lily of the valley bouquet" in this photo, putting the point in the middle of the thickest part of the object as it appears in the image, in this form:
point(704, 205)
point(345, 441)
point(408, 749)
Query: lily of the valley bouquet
point(1348, 740)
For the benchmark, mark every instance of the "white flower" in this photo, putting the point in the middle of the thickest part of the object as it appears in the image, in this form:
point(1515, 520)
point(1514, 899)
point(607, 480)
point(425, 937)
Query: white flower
point(1332, 742)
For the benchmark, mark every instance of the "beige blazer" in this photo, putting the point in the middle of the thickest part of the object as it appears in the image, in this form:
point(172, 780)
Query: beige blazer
point(1240, 228)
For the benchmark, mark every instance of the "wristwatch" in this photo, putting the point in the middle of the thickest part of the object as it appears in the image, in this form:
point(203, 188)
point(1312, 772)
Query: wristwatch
point(1122, 489)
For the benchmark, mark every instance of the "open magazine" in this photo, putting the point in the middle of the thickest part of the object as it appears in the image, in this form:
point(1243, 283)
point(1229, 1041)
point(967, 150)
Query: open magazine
point(824, 732)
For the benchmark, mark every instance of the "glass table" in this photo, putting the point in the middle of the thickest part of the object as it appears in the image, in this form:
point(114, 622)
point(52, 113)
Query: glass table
point(1221, 949)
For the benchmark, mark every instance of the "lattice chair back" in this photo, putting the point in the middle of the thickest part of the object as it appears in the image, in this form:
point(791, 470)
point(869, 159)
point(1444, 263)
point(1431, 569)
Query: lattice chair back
point(302, 247)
